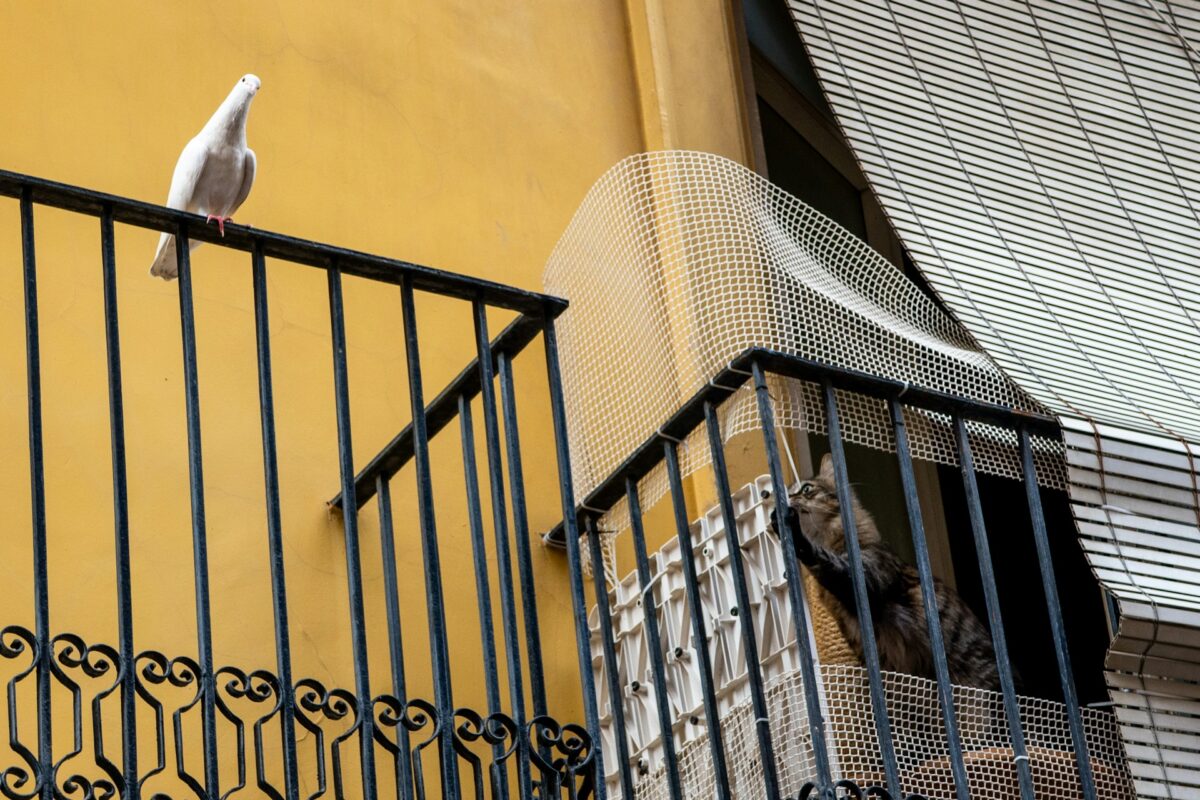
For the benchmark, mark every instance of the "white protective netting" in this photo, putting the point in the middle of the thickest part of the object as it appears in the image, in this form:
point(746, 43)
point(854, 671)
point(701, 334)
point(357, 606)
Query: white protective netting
point(919, 734)
point(677, 262)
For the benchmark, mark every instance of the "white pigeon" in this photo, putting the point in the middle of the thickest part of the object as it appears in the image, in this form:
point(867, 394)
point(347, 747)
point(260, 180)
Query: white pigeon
point(214, 173)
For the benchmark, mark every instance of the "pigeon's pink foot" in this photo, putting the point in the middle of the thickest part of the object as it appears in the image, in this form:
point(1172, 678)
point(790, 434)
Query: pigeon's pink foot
point(220, 222)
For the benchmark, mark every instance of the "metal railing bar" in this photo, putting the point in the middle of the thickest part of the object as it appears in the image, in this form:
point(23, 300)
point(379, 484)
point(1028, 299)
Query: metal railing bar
point(712, 720)
point(276, 245)
point(612, 670)
point(441, 411)
point(439, 648)
point(574, 566)
point(915, 396)
point(191, 389)
point(648, 454)
point(358, 633)
point(504, 570)
point(991, 596)
point(744, 613)
point(37, 494)
point(516, 480)
point(283, 646)
point(483, 590)
point(862, 600)
point(941, 666)
point(662, 699)
point(479, 551)
point(391, 597)
point(116, 427)
point(800, 617)
point(1050, 587)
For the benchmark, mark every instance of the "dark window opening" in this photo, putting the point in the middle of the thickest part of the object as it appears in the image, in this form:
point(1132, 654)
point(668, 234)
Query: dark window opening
point(1022, 601)
point(797, 167)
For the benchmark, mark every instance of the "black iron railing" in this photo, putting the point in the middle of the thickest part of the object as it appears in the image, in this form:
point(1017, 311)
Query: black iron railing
point(505, 749)
point(662, 448)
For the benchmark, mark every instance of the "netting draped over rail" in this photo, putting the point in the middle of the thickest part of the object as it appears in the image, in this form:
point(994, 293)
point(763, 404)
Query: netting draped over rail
point(679, 261)
point(920, 742)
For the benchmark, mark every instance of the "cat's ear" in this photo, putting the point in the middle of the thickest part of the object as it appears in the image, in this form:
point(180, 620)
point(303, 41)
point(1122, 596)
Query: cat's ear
point(827, 467)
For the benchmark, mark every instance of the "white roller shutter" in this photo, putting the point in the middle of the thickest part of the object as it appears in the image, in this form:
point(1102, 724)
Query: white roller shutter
point(1041, 163)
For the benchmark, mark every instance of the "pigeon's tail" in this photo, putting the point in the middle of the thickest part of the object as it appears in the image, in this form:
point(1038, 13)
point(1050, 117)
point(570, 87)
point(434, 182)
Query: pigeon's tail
point(166, 265)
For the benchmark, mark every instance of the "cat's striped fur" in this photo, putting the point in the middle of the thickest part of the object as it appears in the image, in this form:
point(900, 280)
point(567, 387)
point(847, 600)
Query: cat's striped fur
point(893, 587)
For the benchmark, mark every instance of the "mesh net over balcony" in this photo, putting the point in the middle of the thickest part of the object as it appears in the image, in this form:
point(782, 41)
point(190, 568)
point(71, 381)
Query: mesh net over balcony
point(677, 262)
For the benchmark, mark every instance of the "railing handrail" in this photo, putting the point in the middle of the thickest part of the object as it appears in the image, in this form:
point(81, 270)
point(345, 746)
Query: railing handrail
point(691, 414)
point(278, 245)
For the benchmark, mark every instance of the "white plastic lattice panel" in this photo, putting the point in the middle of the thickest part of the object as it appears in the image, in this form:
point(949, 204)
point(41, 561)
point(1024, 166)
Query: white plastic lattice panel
point(770, 611)
point(603, 698)
point(717, 595)
point(637, 685)
point(679, 653)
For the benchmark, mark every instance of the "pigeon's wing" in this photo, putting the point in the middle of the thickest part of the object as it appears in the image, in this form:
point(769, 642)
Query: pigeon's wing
point(189, 171)
point(249, 167)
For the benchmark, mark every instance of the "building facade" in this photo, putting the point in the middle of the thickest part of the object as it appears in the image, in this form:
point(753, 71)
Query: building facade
point(809, 194)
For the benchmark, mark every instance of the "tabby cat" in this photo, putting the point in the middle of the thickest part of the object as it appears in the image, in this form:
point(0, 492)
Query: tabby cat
point(894, 588)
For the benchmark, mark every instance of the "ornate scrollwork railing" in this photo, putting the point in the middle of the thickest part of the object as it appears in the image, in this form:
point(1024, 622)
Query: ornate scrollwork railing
point(70, 654)
point(157, 670)
point(24, 780)
point(564, 755)
point(314, 701)
point(497, 730)
point(258, 687)
point(173, 688)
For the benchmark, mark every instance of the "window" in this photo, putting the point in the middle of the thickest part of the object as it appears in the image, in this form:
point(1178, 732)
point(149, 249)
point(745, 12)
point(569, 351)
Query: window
point(805, 154)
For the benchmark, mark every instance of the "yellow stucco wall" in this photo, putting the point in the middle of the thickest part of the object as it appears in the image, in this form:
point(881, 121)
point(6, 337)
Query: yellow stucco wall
point(457, 134)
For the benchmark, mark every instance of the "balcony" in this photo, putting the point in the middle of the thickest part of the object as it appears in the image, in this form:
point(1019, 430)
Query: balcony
point(726, 690)
point(91, 717)
point(722, 335)
point(711, 627)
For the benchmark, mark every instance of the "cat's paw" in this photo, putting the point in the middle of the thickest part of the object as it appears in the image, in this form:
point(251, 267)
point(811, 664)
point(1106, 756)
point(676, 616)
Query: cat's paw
point(791, 520)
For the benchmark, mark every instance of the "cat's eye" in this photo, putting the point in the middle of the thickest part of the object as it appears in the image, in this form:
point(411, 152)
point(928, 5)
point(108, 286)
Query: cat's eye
point(806, 490)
